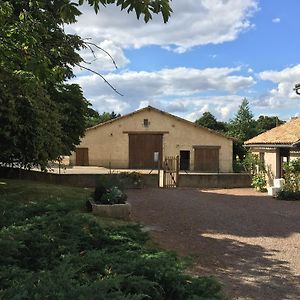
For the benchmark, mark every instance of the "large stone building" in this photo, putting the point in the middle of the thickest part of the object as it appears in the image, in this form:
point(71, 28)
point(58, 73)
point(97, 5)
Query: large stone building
point(132, 141)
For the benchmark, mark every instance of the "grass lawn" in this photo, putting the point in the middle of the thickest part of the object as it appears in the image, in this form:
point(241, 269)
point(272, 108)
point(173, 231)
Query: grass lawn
point(51, 248)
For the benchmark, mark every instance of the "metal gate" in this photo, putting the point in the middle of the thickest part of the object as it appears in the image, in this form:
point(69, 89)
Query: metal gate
point(171, 171)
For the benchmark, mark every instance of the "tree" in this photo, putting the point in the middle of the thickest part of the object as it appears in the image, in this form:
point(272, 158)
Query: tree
point(41, 116)
point(208, 120)
point(93, 118)
point(264, 123)
point(242, 127)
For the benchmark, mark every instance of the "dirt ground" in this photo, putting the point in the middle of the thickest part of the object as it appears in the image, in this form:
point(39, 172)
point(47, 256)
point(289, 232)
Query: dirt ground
point(249, 241)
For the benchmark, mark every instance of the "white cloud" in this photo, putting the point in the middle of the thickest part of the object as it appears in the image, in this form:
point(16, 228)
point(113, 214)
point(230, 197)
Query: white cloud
point(276, 20)
point(192, 23)
point(192, 108)
point(283, 94)
point(179, 90)
point(100, 61)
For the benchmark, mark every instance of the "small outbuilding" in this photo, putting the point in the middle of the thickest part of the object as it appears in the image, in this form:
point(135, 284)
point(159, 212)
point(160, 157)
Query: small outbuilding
point(142, 138)
point(276, 146)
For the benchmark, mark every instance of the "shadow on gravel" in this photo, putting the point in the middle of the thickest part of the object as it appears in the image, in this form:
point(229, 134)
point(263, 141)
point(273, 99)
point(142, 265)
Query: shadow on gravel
point(241, 239)
point(247, 271)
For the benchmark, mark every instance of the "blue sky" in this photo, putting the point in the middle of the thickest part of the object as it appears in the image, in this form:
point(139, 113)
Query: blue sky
point(211, 55)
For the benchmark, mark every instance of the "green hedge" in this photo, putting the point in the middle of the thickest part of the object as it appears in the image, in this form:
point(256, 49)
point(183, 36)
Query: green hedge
point(52, 249)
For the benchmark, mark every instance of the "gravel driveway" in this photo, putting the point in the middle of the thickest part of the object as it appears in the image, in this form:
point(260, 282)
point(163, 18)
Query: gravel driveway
point(249, 241)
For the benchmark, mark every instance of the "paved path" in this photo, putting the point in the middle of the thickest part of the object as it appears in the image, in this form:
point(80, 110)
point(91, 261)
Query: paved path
point(249, 241)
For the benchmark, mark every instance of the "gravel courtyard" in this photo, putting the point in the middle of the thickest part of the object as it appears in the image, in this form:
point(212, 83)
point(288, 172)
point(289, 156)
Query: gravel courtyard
point(249, 241)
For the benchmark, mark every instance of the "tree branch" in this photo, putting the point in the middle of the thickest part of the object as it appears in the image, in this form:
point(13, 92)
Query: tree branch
point(89, 44)
point(111, 86)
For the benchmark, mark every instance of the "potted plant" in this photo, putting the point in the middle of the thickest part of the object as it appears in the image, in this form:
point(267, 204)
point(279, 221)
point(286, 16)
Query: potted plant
point(110, 201)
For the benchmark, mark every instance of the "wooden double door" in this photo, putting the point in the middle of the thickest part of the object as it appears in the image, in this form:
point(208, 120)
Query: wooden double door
point(206, 159)
point(142, 148)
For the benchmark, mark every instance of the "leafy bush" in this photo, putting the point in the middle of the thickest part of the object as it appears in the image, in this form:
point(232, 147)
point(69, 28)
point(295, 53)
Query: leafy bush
point(68, 254)
point(238, 166)
point(107, 193)
point(253, 164)
point(259, 182)
point(292, 176)
point(288, 195)
point(131, 179)
point(113, 196)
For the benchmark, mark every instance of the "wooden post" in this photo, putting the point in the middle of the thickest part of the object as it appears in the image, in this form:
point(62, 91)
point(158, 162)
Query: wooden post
point(158, 169)
point(164, 175)
point(177, 171)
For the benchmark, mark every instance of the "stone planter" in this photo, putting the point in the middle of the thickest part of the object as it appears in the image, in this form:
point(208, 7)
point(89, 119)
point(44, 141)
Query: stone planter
point(116, 211)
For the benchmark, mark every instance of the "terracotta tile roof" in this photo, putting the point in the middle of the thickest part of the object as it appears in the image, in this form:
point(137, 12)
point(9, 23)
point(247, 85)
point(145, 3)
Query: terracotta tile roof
point(288, 133)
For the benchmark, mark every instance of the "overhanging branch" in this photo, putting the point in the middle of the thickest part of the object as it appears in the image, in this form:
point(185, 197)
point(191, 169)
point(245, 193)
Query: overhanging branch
point(100, 75)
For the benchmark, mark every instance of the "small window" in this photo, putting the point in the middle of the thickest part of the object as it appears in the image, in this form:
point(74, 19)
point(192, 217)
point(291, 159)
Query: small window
point(146, 123)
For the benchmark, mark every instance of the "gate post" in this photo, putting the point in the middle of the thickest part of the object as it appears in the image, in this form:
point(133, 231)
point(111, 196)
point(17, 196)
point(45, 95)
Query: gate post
point(177, 171)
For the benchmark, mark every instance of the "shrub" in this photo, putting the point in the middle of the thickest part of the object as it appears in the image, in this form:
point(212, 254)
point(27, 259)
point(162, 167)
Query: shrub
point(109, 191)
point(100, 190)
point(131, 179)
point(288, 195)
point(253, 164)
point(113, 196)
point(55, 253)
point(238, 166)
point(292, 176)
point(259, 182)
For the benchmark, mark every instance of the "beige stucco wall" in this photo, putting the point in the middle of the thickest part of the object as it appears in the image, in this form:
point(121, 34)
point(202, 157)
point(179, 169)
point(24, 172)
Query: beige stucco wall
point(270, 163)
point(295, 155)
point(108, 143)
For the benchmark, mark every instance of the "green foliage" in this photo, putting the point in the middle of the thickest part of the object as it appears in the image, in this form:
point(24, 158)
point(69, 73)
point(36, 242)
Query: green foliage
point(292, 176)
point(257, 169)
point(110, 190)
point(94, 118)
point(209, 121)
point(288, 195)
point(131, 179)
point(242, 126)
point(41, 116)
point(264, 123)
point(259, 182)
point(253, 164)
point(141, 8)
point(56, 251)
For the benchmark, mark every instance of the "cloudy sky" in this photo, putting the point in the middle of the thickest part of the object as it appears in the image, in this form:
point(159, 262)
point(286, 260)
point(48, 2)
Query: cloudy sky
point(208, 57)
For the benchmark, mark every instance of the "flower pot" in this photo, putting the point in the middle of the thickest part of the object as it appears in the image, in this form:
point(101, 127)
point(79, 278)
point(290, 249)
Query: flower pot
point(116, 211)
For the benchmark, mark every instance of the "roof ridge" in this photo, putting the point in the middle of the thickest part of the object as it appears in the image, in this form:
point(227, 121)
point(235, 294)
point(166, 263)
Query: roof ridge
point(149, 107)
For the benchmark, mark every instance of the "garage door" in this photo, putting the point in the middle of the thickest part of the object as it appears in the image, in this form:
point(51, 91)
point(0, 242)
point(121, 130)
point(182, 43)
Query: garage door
point(206, 159)
point(142, 148)
point(82, 156)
